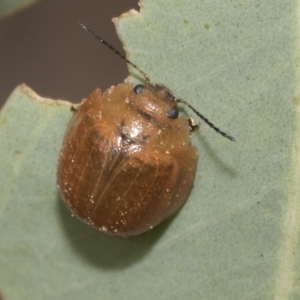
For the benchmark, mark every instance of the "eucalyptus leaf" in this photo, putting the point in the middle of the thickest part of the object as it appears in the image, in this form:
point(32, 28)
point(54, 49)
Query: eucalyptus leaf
point(237, 235)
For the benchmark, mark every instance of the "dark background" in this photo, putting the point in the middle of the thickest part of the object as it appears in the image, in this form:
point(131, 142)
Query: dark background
point(44, 47)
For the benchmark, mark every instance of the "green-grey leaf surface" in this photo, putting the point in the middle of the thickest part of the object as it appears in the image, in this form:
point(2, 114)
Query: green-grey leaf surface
point(237, 236)
point(10, 6)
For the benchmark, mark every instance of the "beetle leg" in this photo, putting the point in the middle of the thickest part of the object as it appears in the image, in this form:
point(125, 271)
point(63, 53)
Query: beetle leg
point(192, 125)
point(74, 107)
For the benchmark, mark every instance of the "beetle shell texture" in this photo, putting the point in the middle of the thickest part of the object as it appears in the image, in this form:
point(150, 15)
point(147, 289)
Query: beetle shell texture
point(125, 166)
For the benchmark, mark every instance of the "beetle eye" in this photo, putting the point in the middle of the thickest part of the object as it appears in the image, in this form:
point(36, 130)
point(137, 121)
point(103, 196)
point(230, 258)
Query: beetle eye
point(138, 89)
point(173, 113)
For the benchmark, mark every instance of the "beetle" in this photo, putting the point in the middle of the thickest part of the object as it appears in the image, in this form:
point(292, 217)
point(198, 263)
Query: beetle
point(127, 162)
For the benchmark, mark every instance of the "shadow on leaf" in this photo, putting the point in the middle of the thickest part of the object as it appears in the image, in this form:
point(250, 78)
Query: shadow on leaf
point(105, 251)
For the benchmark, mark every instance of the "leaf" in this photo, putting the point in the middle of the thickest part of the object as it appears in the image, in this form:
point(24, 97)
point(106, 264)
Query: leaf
point(11, 6)
point(237, 235)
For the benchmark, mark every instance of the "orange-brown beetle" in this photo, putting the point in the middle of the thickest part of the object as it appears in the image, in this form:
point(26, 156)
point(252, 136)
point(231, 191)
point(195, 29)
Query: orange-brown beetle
point(126, 162)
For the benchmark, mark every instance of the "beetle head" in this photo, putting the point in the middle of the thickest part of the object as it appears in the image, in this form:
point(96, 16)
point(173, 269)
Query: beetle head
point(154, 101)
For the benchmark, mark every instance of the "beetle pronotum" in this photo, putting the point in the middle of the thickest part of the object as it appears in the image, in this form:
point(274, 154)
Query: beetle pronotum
point(126, 163)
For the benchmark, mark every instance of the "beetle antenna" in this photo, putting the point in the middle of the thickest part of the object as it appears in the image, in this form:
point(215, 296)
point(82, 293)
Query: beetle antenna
point(97, 37)
point(218, 130)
